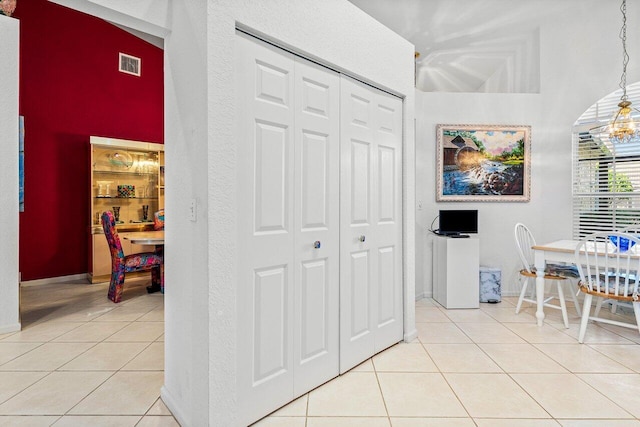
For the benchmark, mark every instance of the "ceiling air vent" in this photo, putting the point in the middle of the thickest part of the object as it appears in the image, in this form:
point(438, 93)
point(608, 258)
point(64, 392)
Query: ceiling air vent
point(129, 64)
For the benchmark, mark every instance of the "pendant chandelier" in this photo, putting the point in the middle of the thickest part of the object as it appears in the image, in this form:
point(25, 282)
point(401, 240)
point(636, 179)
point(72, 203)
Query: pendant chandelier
point(623, 127)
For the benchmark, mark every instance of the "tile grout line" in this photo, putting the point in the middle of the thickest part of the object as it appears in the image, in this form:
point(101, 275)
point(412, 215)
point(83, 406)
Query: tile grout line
point(384, 401)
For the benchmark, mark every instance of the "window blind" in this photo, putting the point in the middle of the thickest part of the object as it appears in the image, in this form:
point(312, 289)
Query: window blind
point(606, 176)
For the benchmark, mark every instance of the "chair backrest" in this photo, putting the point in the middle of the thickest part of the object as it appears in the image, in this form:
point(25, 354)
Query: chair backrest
point(524, 242)
point(158, 220)
point(110, 232)
point(607, 268)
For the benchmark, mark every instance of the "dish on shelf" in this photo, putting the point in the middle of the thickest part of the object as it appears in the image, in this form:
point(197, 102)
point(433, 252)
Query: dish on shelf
point(120, 159)
point(114, 160)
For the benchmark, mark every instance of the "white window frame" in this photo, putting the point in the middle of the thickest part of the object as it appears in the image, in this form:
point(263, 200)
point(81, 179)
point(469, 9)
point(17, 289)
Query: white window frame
point(606, 176)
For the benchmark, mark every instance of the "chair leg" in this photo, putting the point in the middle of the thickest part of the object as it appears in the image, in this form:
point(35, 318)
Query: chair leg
point(563, 304)
point(522, 293)
point(614, 307)
point(116, 286)
point(599, 302)
point(157, 278)
point(574, 296)
point(586, 308)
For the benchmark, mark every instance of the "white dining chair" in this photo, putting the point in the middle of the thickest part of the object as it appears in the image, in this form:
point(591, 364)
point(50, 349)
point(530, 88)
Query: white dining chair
point(524, 243)
point(633, 230)
point(608, 273)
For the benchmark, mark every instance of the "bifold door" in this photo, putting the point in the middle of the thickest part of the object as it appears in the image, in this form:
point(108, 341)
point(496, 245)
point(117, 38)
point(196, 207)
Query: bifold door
point(288, 186)
point(319, 230)
point(370, 222)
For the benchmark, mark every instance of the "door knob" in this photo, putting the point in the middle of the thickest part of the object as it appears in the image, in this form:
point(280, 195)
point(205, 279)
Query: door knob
point(316, 244)
point(362, 238)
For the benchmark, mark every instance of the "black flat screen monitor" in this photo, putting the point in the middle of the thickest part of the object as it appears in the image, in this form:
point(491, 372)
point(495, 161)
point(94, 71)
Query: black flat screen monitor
point(458, 221)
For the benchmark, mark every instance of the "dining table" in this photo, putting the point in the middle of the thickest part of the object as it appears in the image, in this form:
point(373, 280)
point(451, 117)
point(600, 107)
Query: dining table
point(559, 251)
point(155, 238)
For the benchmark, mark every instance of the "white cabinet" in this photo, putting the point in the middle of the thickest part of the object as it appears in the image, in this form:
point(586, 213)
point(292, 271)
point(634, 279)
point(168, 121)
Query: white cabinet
point(319, 225)
point(456, 265)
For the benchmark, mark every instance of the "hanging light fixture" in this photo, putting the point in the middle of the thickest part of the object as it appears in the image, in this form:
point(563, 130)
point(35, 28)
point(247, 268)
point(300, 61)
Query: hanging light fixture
point(623, 128)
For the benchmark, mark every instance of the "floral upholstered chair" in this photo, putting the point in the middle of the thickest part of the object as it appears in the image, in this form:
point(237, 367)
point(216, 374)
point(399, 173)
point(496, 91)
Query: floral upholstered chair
point(121, 264)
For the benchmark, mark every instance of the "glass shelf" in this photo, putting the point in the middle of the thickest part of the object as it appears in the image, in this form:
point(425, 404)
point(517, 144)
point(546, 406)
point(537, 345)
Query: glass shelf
point(125, 177)
point(132, 173)
point(125, 198)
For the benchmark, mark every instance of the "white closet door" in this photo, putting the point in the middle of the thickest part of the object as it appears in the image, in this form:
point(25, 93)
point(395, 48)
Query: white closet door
point(266, 231)
point(288, 186)
point(388, 217)
point(371, 226)
point(317, 232)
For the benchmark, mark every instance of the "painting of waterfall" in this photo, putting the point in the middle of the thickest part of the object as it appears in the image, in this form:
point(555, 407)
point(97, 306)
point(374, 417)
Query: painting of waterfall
point(483, 163)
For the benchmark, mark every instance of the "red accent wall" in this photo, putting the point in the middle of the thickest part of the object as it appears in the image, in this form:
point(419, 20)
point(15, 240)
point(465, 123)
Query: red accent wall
point(70, 88)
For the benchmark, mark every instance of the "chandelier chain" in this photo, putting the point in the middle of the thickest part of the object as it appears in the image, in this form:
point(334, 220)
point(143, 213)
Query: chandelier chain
point(625, 55)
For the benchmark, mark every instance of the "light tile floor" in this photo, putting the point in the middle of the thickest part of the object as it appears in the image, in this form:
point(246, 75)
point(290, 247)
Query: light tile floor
point(486, 368)
point(81, 360)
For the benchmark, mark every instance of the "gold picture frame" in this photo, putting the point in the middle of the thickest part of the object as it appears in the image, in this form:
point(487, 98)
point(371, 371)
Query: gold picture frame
point(483, 163)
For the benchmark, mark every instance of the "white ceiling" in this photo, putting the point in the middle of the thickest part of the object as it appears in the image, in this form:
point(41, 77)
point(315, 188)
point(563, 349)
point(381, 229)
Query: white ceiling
point(470, 45)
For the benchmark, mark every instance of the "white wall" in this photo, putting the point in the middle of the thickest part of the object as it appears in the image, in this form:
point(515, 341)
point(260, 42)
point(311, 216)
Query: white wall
point(581, 61)
point(9, 282)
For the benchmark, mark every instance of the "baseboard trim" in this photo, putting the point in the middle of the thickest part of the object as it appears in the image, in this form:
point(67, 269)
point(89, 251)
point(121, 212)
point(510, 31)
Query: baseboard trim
point(422, 295)
point(408, 337)
point(170, 403)
point(10, 328)
point(53, 280)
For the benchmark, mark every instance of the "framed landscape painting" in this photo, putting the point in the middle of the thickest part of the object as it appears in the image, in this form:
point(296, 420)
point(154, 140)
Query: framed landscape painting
point(483, 163)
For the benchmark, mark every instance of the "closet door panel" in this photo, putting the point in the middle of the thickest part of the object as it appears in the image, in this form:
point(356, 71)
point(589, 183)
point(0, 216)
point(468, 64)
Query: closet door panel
point(359, 287)
point(270, 337)
point(271, 178)
point(357, 194)
point(387, 298)
point(386, 184)
point(371, 227)
point(315, 180)
point(360, 180)
point(316, 200)
point(388, 140)
point(266, 268)
point(314, 293)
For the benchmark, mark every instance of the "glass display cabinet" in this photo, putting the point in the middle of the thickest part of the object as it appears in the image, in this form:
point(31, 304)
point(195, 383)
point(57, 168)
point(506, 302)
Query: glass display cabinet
point(127, 178)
